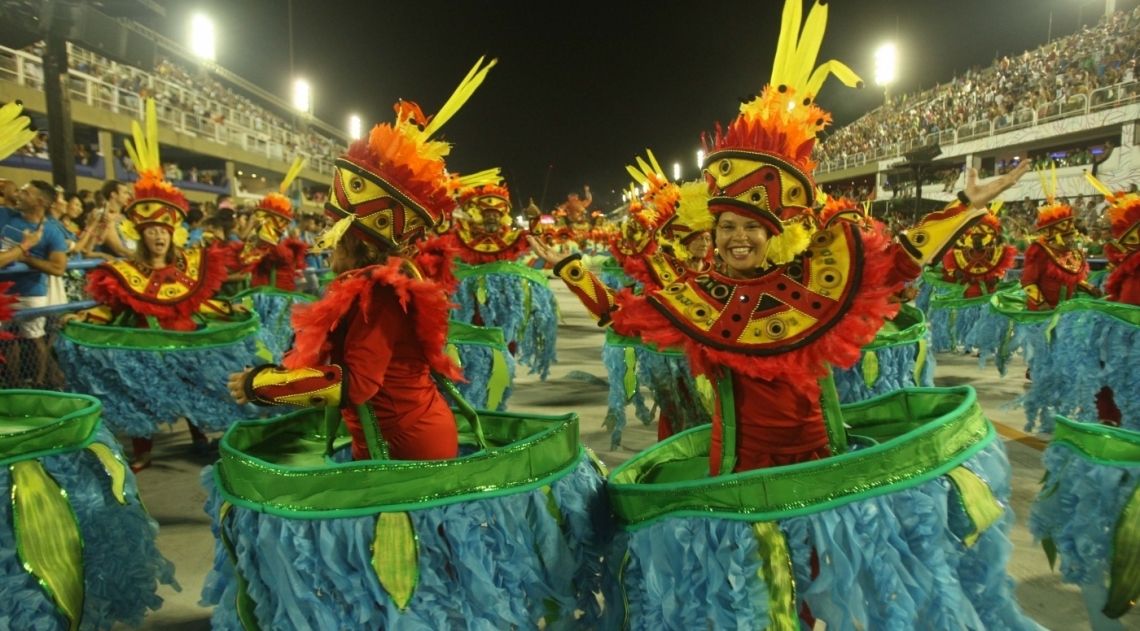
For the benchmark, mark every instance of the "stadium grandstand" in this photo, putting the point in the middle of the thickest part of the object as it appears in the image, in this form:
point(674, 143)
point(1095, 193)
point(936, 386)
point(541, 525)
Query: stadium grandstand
point(1072, 103)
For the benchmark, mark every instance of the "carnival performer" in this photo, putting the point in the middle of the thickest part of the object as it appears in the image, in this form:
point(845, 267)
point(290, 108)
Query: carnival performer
point(574, 219)
point(494, 290)
point(765, 327)
point(972, 271)
point(439, 542)
point(161, 287)
point(1055, 269)
point(1086, 513)
point(271, 257)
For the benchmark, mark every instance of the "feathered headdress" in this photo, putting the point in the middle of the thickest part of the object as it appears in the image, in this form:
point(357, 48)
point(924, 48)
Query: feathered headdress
point(692, 216)
point(483, 191)
point(1052, 218)
point(277, 203)
point(156, 201)
point(843, 208)
point(760, 166)
point(392, 187)
point(1123, 210)
point(14, 132)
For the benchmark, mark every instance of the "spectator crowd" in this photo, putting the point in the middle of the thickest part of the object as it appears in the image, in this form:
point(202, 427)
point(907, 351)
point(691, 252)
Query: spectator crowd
point(1097, 63)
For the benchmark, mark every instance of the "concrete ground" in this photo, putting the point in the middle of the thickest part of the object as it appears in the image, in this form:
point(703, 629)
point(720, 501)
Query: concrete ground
point(172, 494)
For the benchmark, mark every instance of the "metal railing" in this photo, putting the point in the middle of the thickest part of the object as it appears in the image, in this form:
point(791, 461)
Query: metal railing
point(1098, 100)
point(225, 125)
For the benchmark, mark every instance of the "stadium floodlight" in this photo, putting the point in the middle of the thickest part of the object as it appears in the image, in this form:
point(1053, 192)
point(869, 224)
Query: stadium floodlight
point(700, 159)
point(677, 171)
point(886, 64)
point(354, 127)
point(202, 37)
point(301, 96)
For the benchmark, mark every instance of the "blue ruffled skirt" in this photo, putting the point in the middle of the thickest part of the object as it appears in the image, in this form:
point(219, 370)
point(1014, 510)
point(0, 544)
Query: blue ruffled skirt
point(893, 562)
point(499, 563)
point(122, 566)
point(891, 368)
point(525, 310)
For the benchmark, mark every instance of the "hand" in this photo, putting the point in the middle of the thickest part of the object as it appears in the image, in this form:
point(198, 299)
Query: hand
point(236, 386)
point(32, 238)
point(545, 252)
point(981, 196)
point(72, 317)
point(240, 308)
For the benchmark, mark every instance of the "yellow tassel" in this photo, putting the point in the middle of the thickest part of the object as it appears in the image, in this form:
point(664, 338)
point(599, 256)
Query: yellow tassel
point(486, 176)
point(784, 247)
point(1098, 185)
point(332, 236)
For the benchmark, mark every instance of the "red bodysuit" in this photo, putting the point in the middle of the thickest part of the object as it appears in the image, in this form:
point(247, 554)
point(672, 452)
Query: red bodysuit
point(1052, 271)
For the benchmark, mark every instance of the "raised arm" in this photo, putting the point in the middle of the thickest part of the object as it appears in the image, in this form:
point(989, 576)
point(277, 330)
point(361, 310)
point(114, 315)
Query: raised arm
point(598, 299)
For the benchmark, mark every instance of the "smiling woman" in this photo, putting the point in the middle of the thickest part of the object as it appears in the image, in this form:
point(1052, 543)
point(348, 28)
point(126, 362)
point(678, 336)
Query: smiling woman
point(742, 243)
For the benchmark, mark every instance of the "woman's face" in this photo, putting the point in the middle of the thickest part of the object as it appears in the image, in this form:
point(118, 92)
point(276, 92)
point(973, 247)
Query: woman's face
point(742, 243)
point(699, 246)
point(75, 208)
point(157, 241)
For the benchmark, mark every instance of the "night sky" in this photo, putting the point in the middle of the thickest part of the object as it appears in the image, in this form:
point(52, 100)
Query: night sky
point(586, 86)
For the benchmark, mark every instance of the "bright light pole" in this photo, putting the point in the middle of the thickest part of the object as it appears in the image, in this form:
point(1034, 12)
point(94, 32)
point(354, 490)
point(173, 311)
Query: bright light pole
point(202, 37)
point(302, 96)
point(354, 127)
point(677, 171)
point(886, 68)
point(700, 159)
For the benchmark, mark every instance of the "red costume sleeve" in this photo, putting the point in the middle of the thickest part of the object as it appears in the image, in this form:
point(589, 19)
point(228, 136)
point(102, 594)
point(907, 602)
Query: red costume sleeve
point(905, 268)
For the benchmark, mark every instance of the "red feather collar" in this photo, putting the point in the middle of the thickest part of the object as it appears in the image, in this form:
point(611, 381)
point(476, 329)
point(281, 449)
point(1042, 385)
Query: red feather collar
point(315, 322)
point(175, 291)
point(1128, 267)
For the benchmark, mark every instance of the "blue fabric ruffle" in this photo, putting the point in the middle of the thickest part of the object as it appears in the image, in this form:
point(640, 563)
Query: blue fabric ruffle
point(533, 333)
point(951, 327)
point(896, 370)
point(995, 336)
point(478, 362)
point(1078, 509)
point(1085, 352)
point(276, 326)
point(893, 562)
point(670, 380)
point(142, 390)
point(122, 565)
point(614, 358)
point(498, 563)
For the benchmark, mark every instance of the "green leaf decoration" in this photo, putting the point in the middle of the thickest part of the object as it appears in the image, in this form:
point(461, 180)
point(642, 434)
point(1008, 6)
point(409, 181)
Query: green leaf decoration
point(920, 361)
point(244, 603)
point(47, 537)
point(977, 500)
point(1124, 574)
point(1050, 548)
point(395, 556)
point(776, 572)
point(115, 468)
point(263, 352)
point(500, 379)
point(870, 368)
point(481, 290)
point(452, 351)
point(551, 505)
point(629, 379)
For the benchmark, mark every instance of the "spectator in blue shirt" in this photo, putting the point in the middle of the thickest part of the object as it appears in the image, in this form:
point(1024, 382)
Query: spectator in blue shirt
point(48, 256)
point(193, 225)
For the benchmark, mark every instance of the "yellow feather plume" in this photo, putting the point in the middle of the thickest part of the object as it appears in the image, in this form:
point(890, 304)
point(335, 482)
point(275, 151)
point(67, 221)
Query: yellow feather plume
point(14, 132)
point(291, 175)
point(144, 150)
point(784, 247)
point(796, 52)
point(466, 88)
point(481, 178)
point(1099, 186)
point(332, 236)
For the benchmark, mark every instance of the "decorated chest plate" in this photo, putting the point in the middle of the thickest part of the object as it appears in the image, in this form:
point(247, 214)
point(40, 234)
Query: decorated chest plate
point(1069, 260)
point(978, 263)
point(787, 308)
point(171, 284)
